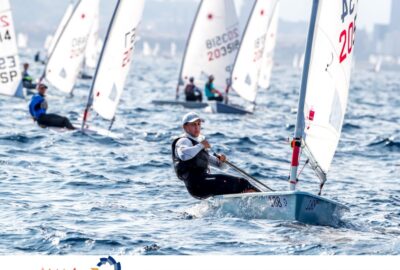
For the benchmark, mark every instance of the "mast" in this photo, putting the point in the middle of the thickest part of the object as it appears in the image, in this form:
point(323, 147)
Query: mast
point(299, 129)
point(187, 45)
point(90, 98)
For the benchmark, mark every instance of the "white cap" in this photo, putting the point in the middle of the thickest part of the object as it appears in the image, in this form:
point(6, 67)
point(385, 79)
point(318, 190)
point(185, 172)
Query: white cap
point(190, 118)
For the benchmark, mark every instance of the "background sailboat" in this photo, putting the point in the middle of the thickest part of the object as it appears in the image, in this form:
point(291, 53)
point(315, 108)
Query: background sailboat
point(65, 58)
point(251, 56)
point(322, 103)
point(10, 73)
point(114, 61)
point(211, 48)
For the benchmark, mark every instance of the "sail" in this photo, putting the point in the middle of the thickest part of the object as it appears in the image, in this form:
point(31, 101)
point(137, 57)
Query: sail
point(328, 78)
point(268, 58)
point(92, 48)
point(116, 57)
point(65, 60)
point(249, 60)
point(53, 40)
point(213, 43)
point(10, 74)
point(22, 40)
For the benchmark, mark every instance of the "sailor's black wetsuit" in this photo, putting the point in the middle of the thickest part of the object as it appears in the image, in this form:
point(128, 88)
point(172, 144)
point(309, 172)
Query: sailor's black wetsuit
point(195, 171)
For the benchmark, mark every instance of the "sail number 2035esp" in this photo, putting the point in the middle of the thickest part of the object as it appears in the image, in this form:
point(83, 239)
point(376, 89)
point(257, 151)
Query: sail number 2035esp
point(347, 36)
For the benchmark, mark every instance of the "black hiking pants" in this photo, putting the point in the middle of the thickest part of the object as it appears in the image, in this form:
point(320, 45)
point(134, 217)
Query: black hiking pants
point(54, 120)
point(202, 186)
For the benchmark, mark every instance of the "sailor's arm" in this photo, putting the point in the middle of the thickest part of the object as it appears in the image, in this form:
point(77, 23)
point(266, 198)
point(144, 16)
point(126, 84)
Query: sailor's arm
point(185, 150)
point(218, 162)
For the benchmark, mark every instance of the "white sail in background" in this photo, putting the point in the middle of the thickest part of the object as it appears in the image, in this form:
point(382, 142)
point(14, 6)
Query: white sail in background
point(66, 59)
point(156, 49)
point(10, 73)
point(116, 57)
point(92, 48)
point(47, 42)
point(247, 68)
point(295, 61)
point(53, 39)
point(22, 40)
point(329, 78)
point(213, 43)
point(268, 58)
point(172, 51)
point(146, 49)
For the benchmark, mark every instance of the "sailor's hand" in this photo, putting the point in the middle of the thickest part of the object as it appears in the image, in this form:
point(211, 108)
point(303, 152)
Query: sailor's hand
point(206, 144)
point(221, 157)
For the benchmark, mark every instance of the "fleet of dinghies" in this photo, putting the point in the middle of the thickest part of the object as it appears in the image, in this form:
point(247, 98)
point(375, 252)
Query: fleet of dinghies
point(238, 61)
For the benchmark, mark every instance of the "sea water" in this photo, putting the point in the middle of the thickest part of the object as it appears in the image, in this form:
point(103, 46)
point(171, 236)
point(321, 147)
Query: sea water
point(70, 193)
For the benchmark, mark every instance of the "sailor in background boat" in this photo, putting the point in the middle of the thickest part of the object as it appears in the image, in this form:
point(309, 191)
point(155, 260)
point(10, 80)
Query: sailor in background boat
point(38, 107)
point(27, 80)
point(192, 92)
point(192, 161)
point(211, 92)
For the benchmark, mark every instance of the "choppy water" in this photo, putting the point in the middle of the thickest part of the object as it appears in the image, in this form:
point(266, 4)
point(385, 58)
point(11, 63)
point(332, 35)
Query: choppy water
point(68, 193)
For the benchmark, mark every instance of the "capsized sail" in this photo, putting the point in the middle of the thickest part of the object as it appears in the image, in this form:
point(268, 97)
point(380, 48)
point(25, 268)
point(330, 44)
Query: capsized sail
point(10, 73)
point(65, 60)
point(212, 44)
point(325, 83)
point(268, 58)
point(247, 68)
point(115, 59)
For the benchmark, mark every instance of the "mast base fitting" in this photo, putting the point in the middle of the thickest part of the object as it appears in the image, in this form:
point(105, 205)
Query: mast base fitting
point(296, 142)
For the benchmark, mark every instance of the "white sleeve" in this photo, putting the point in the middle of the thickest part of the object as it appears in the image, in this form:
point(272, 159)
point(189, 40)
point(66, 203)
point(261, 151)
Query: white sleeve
point(185, 150)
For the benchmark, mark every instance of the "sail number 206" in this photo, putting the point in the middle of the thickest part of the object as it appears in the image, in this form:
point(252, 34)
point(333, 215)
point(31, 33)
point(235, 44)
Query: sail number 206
point(347, 36)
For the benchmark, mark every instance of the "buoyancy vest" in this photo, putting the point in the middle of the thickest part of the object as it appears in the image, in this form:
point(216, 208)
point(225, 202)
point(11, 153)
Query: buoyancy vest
point(35, 108)
point(197, 165)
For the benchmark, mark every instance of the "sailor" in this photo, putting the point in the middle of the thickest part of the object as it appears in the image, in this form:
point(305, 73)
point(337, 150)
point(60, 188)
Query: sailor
point(192, 161)
point(192, 92)
point(38, 107)
point(211, 92)
point(27, 81)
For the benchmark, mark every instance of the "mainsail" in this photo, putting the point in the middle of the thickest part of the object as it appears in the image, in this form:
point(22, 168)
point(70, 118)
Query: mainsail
point(249, 60)
point(66, 58)
point(52, 42)
point(325, 82)
point(115, 59)
point(268, 58)
point(10, 74)
point(212, 44)
point(92, 47)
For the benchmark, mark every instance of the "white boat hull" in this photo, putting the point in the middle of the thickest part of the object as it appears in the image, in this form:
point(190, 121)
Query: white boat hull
point(291, 206)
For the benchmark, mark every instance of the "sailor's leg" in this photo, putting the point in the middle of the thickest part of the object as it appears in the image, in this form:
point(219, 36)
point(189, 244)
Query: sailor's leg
point(54, 120)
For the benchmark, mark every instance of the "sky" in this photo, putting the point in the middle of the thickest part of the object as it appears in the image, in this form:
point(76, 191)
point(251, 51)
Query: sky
point(371, 11)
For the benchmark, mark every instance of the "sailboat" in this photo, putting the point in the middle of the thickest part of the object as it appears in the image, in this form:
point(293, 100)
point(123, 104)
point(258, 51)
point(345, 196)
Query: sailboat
point(22, 40)
point(247, 68)
point(113, 64)
point(67, 52)
point(210, 50)
point(322, 104)
point(10, 73)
